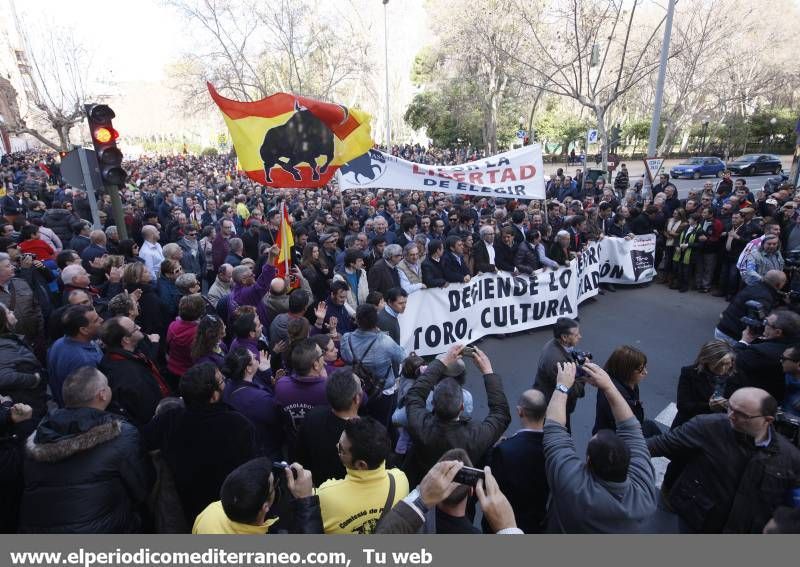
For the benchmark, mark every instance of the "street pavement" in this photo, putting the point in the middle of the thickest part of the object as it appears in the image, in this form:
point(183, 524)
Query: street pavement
point(636, 171)
point(668, 326)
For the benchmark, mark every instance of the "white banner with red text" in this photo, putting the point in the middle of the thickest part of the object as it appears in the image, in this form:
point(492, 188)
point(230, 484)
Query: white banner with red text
point(502, 303)
point(516, 174)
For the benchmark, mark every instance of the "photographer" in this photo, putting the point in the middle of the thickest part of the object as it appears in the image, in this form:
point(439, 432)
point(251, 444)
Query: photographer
point(766, 292)
point(758, 361)
point(561, 348)
point(614, 489)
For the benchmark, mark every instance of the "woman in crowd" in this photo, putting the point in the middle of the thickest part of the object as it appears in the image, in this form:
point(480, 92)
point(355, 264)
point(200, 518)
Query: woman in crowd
point(31, 243)
point(136, 276)
point(468, 257)
point(675, 226)
point(181, 334)
point(329, 352)
point(129, 249)
point(683, 258)
point(559, 250)
point(296, 330)
point(703, 387)
point(249, 392)
point(206, 243)
point(627, 367)
point(315, 270)
point(208, 344)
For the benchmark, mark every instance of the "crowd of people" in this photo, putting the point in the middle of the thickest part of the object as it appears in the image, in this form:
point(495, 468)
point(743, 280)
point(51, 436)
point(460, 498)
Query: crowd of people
point(162, 376)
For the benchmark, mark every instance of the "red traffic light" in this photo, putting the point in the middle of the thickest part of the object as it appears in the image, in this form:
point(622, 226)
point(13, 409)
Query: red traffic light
point(104, 135)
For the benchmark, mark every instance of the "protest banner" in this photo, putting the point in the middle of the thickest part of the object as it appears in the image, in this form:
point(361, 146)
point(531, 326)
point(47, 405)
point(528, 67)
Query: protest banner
point(517, 174)
point(501, 302)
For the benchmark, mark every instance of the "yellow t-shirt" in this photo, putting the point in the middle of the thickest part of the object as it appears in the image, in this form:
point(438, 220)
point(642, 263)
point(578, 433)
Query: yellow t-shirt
point(242, 211)
point(213, 520)
point(354, 504)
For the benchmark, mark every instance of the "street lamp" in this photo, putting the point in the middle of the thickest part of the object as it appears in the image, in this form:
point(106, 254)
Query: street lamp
point(386, 63)
point(772, 122)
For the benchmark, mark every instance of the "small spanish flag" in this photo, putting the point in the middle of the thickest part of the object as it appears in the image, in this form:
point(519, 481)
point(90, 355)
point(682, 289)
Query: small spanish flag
point(292, 141)
point(284, 241)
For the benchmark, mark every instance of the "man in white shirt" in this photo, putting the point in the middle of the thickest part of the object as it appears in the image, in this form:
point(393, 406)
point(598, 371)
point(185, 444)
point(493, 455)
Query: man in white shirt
point(484, 250)
point(150, 251)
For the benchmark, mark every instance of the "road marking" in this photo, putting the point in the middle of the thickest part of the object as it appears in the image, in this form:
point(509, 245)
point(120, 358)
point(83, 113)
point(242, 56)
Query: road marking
point(660, 463)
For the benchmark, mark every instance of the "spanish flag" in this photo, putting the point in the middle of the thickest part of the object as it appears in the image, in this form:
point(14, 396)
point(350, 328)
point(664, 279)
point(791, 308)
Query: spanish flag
point(292, 141)
point(284, 241)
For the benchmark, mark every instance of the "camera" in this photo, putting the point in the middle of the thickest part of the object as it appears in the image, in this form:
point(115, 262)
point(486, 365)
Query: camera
point(580, 358)
point(277, 470)
point(754, 319)
point(468, 476)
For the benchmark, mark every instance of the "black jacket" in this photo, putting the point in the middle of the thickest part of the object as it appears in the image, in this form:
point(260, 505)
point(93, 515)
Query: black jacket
point(481, 255)
point(315, 447)
point(730, 321)
point(382, 277)
point(759, 365)
point(504, 256)
point(728, 485)
point(201, 446)
point(60, 221)
point(84, 473)
point(150, 312)
point(454, 271)
point(518, 465)
point(695, 388)
point(527, 258)
point(604, 417)
point(432, 273)
point(389, 324)
point(433, 436)
point(134, 385)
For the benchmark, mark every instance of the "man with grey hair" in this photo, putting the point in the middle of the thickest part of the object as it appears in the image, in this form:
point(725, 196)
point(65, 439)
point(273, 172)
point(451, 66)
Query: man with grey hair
point(410, 269)
point(187, 283)
point(484, 250)
point(221, 285)
point(384, 275)
point(85, 471)
point(112, 239)
point(236, 253)
point(150, 251)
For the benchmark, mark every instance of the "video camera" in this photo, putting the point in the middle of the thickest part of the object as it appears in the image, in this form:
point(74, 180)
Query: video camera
point(754, 319)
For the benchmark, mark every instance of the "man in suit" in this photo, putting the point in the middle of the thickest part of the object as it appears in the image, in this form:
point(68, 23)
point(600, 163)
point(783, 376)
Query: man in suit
point(518, 464)
point(517, 220)
point(485, 252)
point(383, 276)
point(453, 265)
point(396, 299)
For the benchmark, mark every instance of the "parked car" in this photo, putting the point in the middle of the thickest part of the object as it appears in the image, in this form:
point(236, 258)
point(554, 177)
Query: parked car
point(755, 164)
point(697, 167)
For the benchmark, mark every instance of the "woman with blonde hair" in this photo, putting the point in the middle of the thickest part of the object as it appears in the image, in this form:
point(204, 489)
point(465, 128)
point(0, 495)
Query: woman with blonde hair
point(703, 387)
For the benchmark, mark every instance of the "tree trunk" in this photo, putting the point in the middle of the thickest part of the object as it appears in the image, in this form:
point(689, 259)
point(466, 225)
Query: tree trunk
point(669, 136)
point(685, 140)
point(600, 113)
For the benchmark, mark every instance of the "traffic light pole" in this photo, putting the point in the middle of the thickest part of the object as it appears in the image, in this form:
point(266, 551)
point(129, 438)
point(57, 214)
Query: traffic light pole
point(116, 210)
point(91, 195)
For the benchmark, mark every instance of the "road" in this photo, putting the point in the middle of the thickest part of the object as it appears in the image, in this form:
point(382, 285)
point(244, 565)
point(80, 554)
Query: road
point(636, 171)
point(668, 326)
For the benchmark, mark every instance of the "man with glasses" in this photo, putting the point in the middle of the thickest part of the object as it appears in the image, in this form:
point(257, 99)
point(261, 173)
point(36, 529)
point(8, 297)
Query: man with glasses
point(194, 259)
point(739, 469)
point(758, 358)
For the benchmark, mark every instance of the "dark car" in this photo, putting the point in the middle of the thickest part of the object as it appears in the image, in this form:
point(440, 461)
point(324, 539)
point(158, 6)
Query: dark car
point(697, 167)
point(755, 164)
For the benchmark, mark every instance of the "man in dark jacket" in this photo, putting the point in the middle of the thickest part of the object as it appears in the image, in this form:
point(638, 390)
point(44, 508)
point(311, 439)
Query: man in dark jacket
point(383, 276)
point(453, 265)
point(434, 433)
point(758, 361)
point(432, 273)
point(84, 470)
point(566, 336)
point(396, 300)
point(203, 442)
point(136, 383)
point(739, 470)
point(766, 292)
point(518, 464)
point(485, 252)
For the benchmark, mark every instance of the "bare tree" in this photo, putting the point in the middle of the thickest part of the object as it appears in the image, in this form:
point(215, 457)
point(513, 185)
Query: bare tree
point(255, 48)
point(592, 51)
point(57, 71)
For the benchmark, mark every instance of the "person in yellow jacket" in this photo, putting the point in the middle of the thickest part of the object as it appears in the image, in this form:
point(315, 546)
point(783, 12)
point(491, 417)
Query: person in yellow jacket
point(247, 495)
point(355, 504)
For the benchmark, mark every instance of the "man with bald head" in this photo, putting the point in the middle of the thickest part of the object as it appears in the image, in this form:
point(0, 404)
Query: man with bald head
point(738, 471)
point(518, 464)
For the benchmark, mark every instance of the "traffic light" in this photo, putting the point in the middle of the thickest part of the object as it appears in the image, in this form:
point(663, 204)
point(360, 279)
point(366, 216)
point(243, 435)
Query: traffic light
point(104, 138)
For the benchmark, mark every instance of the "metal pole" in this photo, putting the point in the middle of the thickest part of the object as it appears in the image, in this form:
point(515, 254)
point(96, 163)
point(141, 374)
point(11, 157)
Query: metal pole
point(91, 196)
point(386, 63)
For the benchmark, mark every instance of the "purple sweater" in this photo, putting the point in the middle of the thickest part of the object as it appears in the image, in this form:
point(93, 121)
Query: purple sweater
point(254, 294)
point(298, 395)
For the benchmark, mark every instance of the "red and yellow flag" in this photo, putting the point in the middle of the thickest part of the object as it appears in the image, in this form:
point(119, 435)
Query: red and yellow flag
point(284, 241)
point(293, 141)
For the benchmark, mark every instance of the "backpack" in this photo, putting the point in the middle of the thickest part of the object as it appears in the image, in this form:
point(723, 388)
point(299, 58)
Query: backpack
point(371, 384)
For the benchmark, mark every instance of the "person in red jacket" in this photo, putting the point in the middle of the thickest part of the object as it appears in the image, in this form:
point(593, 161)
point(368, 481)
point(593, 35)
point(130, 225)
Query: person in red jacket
point(31, 243)
point(181, 333)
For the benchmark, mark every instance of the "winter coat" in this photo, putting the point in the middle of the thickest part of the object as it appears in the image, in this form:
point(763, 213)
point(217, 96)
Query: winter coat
point(151, 317)
point(201, 445)
point(728, 485)
point(169, 296)
point(433, 436)
point(60, 221)
point(180, 336)
point(432, 273)
point(136, 385)
point(527, 258)
point(258, 405)
point(84, 473)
